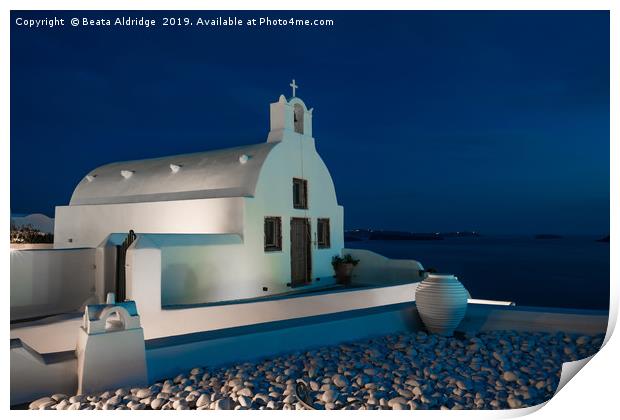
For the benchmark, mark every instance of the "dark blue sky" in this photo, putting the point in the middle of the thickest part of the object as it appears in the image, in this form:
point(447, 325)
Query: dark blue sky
point(428, 121)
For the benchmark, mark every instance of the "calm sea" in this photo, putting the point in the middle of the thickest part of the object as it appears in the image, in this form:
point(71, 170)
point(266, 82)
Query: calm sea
point(571, 272)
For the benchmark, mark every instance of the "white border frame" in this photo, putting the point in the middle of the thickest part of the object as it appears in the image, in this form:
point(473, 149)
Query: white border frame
point(592, 394)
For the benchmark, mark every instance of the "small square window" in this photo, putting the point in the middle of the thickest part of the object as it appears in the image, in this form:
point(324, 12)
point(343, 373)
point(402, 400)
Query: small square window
point(273, 234)
point(300, 193)
point(323, 234)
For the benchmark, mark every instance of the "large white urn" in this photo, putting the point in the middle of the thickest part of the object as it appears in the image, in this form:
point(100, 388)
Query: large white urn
point(441, 301)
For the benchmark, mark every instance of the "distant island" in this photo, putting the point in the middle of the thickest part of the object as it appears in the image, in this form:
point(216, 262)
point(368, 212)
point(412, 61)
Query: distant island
point(547, 236)
point(394, 235)
point(605, 239)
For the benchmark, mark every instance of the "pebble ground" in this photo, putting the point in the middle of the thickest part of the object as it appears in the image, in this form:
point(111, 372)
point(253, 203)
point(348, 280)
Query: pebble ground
point(409, 371)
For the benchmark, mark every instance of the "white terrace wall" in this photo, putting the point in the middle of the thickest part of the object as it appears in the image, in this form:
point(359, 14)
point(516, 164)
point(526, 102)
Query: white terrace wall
point(375, 269)
point(144, 262)
point(46, 282)
point(32, 376)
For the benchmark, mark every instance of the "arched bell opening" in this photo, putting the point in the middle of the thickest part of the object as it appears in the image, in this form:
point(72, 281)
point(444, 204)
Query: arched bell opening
point(115, 319)
point(298, 118)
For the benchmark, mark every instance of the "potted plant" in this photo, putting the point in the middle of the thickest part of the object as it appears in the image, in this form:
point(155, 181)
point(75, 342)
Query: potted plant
point(343, 267)
point(426, 272)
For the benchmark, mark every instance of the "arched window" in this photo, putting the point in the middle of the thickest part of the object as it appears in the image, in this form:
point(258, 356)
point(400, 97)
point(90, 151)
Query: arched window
point(298, 118)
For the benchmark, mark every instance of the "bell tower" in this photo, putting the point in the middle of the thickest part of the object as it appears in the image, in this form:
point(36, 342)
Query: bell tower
point(290, 118)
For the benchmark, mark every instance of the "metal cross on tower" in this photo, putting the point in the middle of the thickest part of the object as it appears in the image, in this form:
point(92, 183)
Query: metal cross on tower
point(294, 86)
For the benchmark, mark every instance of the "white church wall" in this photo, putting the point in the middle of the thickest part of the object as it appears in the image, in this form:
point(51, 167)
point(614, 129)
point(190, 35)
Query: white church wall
point(45, 282)
point(198, 269)
point(194, 269)
point(205, 269)
point(206, 274)
point(294, 157)
point(90, 225)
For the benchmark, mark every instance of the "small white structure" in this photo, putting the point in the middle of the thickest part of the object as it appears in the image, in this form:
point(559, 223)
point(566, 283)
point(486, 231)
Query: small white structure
point(110, 348)
point(236, 223)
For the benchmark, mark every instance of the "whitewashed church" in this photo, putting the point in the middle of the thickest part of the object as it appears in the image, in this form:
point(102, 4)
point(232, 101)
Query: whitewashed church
point(203, 252)
point(235, 223)
point(190, 245)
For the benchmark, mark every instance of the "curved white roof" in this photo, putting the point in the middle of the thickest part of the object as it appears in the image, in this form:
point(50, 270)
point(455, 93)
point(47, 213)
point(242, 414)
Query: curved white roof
point(219, 173)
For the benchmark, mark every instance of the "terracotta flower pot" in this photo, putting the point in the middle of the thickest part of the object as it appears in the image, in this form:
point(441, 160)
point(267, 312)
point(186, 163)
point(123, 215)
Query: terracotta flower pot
point(344, 272)
point(441, 301)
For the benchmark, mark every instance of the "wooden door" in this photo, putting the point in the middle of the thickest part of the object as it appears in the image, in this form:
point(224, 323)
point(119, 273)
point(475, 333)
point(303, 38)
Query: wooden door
point(301, 259)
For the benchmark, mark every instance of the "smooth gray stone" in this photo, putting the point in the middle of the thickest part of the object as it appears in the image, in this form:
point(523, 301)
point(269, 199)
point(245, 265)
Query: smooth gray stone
point(204, 399)
point(244, 401)
point(509, 376)
point(157, 403)
point(397, 400)
point(59, 397)
point(330, 396)
point(405, 393)
point(340, 381)
point(514, 402)
point(47, 405)
point(196, 371)
point(121, 391)
point(224, 404)
point(178, 403)
point(77, 398)
point(137, 406)
point(260, 397)
point(37, 403)
point(246, 392)
point(106, 395)
point(63, 405)
point(584, 339)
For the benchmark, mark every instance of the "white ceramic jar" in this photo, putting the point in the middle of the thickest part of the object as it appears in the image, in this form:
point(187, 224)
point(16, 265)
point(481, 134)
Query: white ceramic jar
point(442, 302)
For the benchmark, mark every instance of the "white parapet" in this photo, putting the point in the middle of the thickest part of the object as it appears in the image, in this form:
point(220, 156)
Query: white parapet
point(51, 281)
point(376, 269)
point(110, 348)
point(34, 375)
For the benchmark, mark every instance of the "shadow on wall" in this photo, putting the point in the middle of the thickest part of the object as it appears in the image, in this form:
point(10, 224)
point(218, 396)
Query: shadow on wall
point(180, 285)
point(411, 318)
